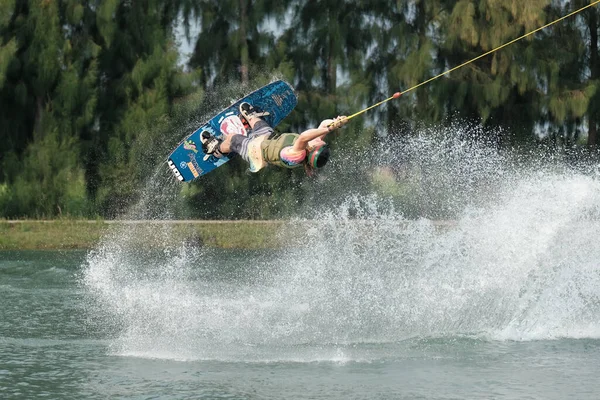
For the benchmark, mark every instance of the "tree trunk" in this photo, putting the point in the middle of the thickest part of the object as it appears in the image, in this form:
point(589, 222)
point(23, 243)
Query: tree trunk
point(422, 96)
point(39, 113)
point(595, 74)
point(244, 52)
point(331, 83)
point(331, 69)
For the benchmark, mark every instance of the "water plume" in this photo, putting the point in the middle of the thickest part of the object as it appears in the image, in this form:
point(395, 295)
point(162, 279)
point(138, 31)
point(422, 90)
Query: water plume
point(516, 259)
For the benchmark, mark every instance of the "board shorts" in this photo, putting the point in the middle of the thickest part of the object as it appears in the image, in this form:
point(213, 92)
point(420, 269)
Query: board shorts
point(239, 143)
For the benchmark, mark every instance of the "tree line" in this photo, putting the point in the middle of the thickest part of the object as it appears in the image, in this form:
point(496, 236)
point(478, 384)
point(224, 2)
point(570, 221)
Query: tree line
point(94, 94)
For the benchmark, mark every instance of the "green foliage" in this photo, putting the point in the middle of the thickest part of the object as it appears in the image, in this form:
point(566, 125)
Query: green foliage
point(7, 52)
point(42, 59)
point(92, 96)
point(105, 18)
point(52, 182)
point(6, 11)
point(6, 201)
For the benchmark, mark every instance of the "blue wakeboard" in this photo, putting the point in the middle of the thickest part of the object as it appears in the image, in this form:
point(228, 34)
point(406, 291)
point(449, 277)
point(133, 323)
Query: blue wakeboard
point(187, 160)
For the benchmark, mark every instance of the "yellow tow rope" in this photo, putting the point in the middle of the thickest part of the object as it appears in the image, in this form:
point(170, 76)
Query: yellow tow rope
point(398, 94)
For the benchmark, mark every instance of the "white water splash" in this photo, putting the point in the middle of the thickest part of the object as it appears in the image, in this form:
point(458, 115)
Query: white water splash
point(520, 262)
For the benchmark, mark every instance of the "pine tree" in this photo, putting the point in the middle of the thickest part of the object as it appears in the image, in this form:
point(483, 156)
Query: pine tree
point(589, 31)
point(50, 81)
point(407, 40)
point(233, 39)
point(140, 80)
point(495, 88)
point(525, 86)
point(327, 44)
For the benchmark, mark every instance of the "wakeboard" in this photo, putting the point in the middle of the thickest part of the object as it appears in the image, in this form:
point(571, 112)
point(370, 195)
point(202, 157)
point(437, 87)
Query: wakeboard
point(188, 161)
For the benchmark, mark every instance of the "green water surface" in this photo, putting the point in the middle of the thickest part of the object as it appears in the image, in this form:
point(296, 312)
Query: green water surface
point(57, 341)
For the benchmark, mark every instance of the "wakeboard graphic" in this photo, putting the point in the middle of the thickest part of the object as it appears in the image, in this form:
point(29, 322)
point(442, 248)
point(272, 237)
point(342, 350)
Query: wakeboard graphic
point(188, 162)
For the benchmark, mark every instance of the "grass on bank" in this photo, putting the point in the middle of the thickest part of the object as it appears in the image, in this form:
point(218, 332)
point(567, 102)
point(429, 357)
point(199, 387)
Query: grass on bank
point(85, 234)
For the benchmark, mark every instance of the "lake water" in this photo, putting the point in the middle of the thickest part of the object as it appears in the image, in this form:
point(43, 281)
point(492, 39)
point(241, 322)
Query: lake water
point(405, 312)
point(502, 304)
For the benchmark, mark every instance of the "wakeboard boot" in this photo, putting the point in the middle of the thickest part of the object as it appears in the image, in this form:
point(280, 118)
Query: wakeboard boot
point(248, 111)
point(210, 145)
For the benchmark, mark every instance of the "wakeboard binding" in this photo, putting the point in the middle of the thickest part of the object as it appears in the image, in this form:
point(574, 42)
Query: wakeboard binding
point(210, 145)
point(248, 111)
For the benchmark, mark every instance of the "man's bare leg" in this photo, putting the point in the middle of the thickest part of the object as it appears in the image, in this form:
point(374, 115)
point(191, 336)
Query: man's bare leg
point(225, 146)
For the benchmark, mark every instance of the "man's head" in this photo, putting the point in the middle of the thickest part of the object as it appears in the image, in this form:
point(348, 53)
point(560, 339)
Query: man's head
point(318, 153)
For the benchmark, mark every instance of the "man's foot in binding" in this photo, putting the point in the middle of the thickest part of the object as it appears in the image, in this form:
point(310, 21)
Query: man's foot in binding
point(248, 112)
point(210, 145)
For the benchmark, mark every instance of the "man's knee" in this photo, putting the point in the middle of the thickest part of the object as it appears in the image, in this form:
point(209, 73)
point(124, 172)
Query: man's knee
point(261, 128)
point(226, 145)
point(236, 143)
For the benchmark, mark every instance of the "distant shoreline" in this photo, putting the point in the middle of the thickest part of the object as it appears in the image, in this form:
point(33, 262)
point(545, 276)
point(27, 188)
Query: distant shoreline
point(144, 221)
point(86, 234)
point(64, 234)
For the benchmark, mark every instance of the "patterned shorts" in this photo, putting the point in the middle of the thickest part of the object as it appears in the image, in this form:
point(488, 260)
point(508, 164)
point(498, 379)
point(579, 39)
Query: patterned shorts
point(239, 143)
